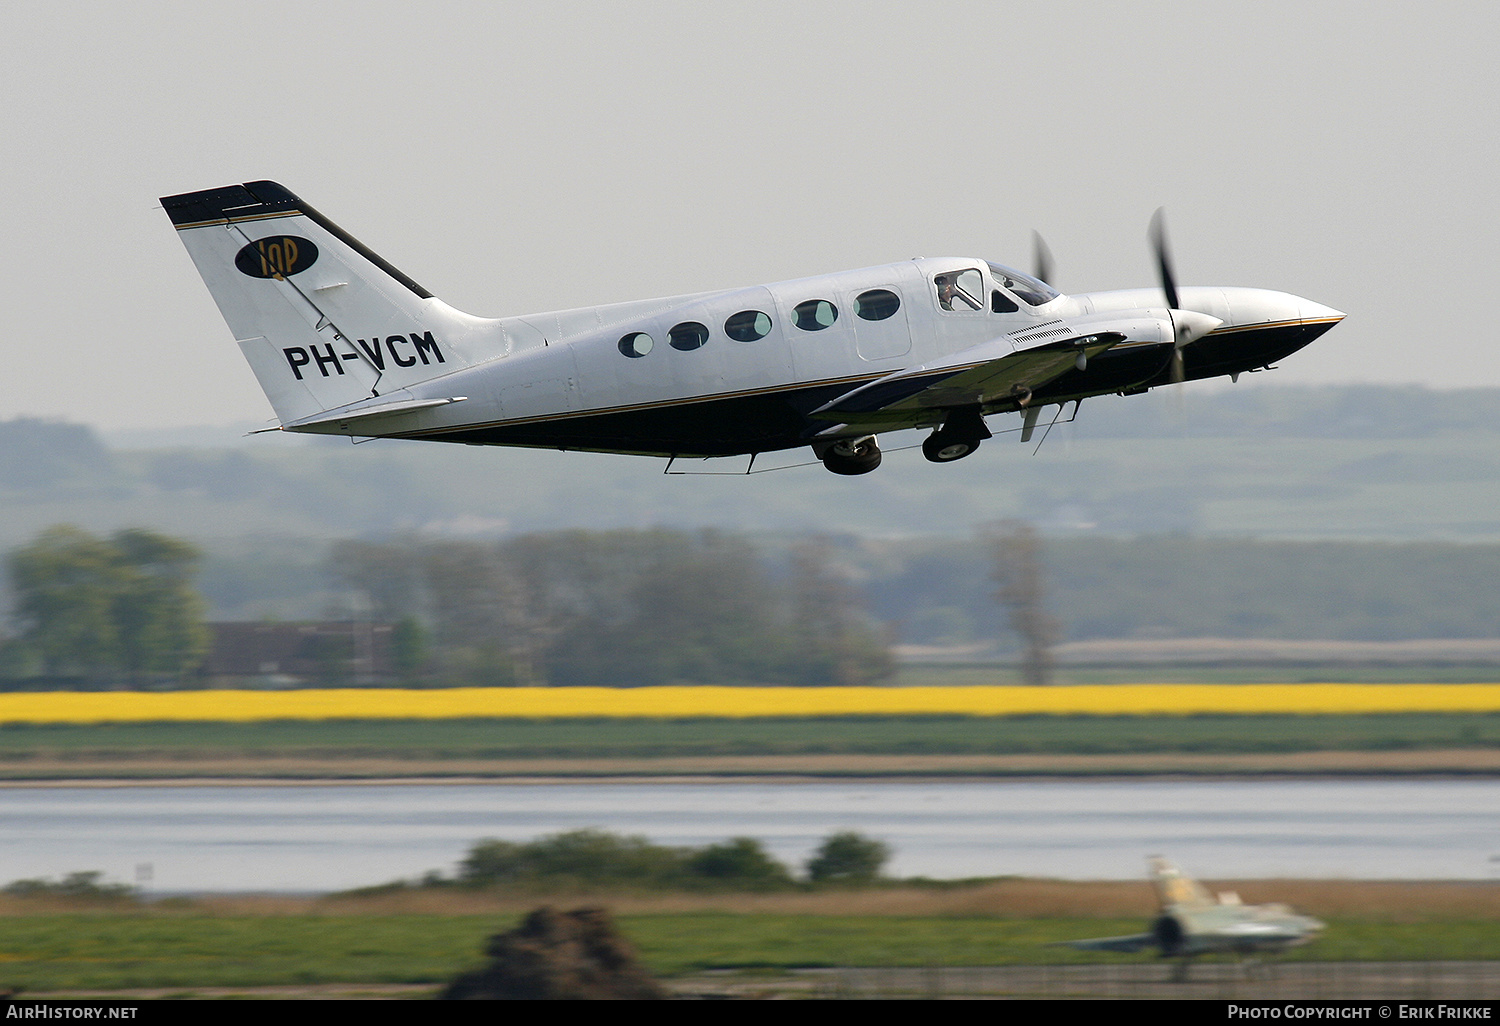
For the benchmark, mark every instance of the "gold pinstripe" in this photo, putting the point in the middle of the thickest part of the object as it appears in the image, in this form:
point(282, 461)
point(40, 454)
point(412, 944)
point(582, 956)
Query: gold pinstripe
point(772, 390)
point(660, 404)
point(1272, 324)
point(667, 403)
point(237, 220)
point(742, 394)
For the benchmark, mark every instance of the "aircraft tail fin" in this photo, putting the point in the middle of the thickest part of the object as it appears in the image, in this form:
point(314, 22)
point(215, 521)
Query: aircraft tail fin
point(322, 319)
point(1173, 887)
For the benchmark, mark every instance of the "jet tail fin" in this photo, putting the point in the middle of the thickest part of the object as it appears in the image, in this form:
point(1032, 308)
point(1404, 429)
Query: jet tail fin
point(323, 320)
point(1175, 888)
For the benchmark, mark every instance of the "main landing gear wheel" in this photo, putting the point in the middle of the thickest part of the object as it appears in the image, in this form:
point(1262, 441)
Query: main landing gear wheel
point(940, 448)
point(962, 431)
point(856, 456)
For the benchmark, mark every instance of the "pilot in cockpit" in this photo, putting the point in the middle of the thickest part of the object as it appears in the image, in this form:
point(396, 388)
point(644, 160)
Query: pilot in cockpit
point(950, 292)
point(946, 290)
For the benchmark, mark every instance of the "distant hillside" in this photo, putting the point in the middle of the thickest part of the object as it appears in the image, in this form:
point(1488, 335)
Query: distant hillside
point(40, 455)
point(1354, 462)
point(938, 590)
point(1357, 514)
point(1253, 408)
point(1271, 411)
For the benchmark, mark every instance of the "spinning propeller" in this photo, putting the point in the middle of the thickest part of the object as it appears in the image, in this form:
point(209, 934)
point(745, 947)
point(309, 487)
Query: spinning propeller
point(1187, 325)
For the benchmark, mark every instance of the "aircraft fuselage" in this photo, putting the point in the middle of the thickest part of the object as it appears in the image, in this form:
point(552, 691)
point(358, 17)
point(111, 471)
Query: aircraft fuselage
point(566, 380)
point(343, 343)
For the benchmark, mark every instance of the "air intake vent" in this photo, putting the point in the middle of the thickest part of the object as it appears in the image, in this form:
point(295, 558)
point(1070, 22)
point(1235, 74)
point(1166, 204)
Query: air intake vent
point(1045, 330)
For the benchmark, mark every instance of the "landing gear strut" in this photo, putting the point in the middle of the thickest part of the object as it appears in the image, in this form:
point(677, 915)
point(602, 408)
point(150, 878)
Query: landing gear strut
point(852, 456)
point(960, 435)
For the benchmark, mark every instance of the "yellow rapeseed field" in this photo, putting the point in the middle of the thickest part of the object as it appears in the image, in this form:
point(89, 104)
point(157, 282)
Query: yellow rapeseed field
point(698, 702)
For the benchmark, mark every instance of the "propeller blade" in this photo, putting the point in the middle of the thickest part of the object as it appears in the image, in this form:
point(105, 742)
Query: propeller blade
point(1043, 261)
point(1187, 325)
point(1164, 257)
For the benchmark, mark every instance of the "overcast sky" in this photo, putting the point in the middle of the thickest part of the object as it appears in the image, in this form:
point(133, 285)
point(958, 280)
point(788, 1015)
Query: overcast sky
point(517, 157)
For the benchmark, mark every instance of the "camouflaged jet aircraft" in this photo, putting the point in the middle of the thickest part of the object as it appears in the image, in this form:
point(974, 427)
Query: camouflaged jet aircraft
point(1193, 922)
point(343, 343)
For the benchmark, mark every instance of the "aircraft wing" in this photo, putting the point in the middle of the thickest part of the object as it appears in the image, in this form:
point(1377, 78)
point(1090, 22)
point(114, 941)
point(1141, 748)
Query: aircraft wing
point(1132, 943)
point(987, 373)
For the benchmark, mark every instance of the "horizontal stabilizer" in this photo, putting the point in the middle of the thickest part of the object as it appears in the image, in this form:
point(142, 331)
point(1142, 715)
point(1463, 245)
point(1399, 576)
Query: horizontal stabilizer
point(1134, 942)
point(368, 411)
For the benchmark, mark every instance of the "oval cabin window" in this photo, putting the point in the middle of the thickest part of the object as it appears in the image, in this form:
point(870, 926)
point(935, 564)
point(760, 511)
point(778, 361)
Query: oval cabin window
point(816, 314)
point(687, 336)
point(636, 344)
point(748, 326)
point(877, 304)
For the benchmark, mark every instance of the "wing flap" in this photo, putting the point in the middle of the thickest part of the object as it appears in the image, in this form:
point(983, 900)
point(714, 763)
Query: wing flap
point(981, 375)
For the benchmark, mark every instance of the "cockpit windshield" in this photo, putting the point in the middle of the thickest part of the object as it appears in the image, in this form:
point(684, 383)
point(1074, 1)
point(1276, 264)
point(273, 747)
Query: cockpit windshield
point(1024, 286)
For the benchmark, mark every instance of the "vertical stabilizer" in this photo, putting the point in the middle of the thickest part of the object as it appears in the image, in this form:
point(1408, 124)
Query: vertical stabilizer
point(1173, 888)
point(322, 319)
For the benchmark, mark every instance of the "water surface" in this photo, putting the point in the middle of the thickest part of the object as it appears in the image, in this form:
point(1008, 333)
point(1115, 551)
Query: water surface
point(319, 838)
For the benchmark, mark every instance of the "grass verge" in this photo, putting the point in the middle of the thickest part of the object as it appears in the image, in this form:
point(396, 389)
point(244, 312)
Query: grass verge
point(199, 945)
point(1401, 743)
point(660, 737)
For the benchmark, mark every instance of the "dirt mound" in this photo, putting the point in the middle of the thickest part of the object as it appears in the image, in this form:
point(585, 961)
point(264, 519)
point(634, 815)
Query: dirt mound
point(559, 956)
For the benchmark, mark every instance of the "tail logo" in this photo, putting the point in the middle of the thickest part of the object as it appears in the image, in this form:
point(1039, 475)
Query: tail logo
point(276, 257)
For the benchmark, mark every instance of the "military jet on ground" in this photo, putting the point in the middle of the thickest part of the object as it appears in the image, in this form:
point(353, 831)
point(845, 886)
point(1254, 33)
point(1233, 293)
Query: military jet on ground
point(1194, 922)
point(343, 343)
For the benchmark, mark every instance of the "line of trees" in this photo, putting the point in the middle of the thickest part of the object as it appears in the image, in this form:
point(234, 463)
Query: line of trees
point(619, 607)
point(560, 608)
point(120, 608)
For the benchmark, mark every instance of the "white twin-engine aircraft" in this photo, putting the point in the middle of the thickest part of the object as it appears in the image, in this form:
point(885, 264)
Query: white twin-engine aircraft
point(345, 344)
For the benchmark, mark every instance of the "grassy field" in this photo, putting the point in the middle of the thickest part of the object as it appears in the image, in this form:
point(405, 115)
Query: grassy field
point(653, 738)
point(429, 938)
point(835, 745)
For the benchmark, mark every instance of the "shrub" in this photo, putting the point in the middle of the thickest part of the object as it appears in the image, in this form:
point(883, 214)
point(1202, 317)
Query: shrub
point(848, 857)
point(589, 857)
point(81, 887)
point(738, 862)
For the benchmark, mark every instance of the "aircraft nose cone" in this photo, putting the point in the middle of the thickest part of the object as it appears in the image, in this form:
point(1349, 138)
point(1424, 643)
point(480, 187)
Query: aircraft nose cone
point(1317, 311)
